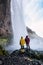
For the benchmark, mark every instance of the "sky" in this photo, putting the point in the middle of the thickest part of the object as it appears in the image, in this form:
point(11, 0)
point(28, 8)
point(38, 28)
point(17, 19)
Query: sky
point(33, 15)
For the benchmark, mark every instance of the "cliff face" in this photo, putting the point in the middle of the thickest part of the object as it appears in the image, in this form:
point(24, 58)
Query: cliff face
point(5, 18)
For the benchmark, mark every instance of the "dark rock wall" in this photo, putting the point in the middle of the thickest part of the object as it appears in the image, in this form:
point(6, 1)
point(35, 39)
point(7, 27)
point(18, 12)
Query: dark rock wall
point(5, 18)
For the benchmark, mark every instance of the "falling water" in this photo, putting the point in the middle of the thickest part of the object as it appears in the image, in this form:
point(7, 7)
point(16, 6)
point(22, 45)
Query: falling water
point(18, 25)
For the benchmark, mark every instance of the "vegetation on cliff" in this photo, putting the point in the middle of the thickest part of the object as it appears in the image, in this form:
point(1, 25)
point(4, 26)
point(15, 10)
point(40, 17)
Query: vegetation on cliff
point(3, 51)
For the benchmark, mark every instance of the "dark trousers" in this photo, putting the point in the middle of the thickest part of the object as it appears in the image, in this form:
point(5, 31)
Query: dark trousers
point(28, 47)
point(22, 47)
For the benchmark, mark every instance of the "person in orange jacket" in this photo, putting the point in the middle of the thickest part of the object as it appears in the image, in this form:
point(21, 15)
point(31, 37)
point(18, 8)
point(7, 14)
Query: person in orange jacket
point(22, 42)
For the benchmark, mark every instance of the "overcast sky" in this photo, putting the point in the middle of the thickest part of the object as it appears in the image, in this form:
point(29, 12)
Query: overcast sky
point(33, 15)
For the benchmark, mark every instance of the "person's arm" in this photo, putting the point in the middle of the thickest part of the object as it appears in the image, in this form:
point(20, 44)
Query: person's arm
point(25, 40)
point(29, 39)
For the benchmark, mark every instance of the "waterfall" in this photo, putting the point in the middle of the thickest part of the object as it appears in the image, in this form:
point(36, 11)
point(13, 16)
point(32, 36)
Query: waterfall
point(18, 25)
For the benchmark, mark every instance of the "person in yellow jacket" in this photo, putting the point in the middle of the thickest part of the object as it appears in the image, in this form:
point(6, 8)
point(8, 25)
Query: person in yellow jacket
point(22, 42)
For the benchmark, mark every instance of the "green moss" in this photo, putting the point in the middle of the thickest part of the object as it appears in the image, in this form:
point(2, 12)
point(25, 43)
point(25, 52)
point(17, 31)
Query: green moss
point(3, 41)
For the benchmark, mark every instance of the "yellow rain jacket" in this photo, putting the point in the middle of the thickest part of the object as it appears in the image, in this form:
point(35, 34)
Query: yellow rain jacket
point(22, 42)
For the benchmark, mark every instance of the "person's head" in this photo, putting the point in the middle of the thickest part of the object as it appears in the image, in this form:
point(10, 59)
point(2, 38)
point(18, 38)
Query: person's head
point(27, 36)
point(21, 37)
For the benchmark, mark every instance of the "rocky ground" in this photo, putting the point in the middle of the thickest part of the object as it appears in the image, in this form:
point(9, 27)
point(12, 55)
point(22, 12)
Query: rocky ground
point(18, 58)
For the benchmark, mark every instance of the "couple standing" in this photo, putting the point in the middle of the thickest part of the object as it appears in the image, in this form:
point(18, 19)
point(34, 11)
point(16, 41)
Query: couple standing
point(25, 41)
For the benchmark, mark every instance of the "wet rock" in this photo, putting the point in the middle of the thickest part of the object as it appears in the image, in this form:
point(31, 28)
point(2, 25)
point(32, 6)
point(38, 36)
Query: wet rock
point(16, 59)
point(1, 62)
point(36, 63)
point(5, 18)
